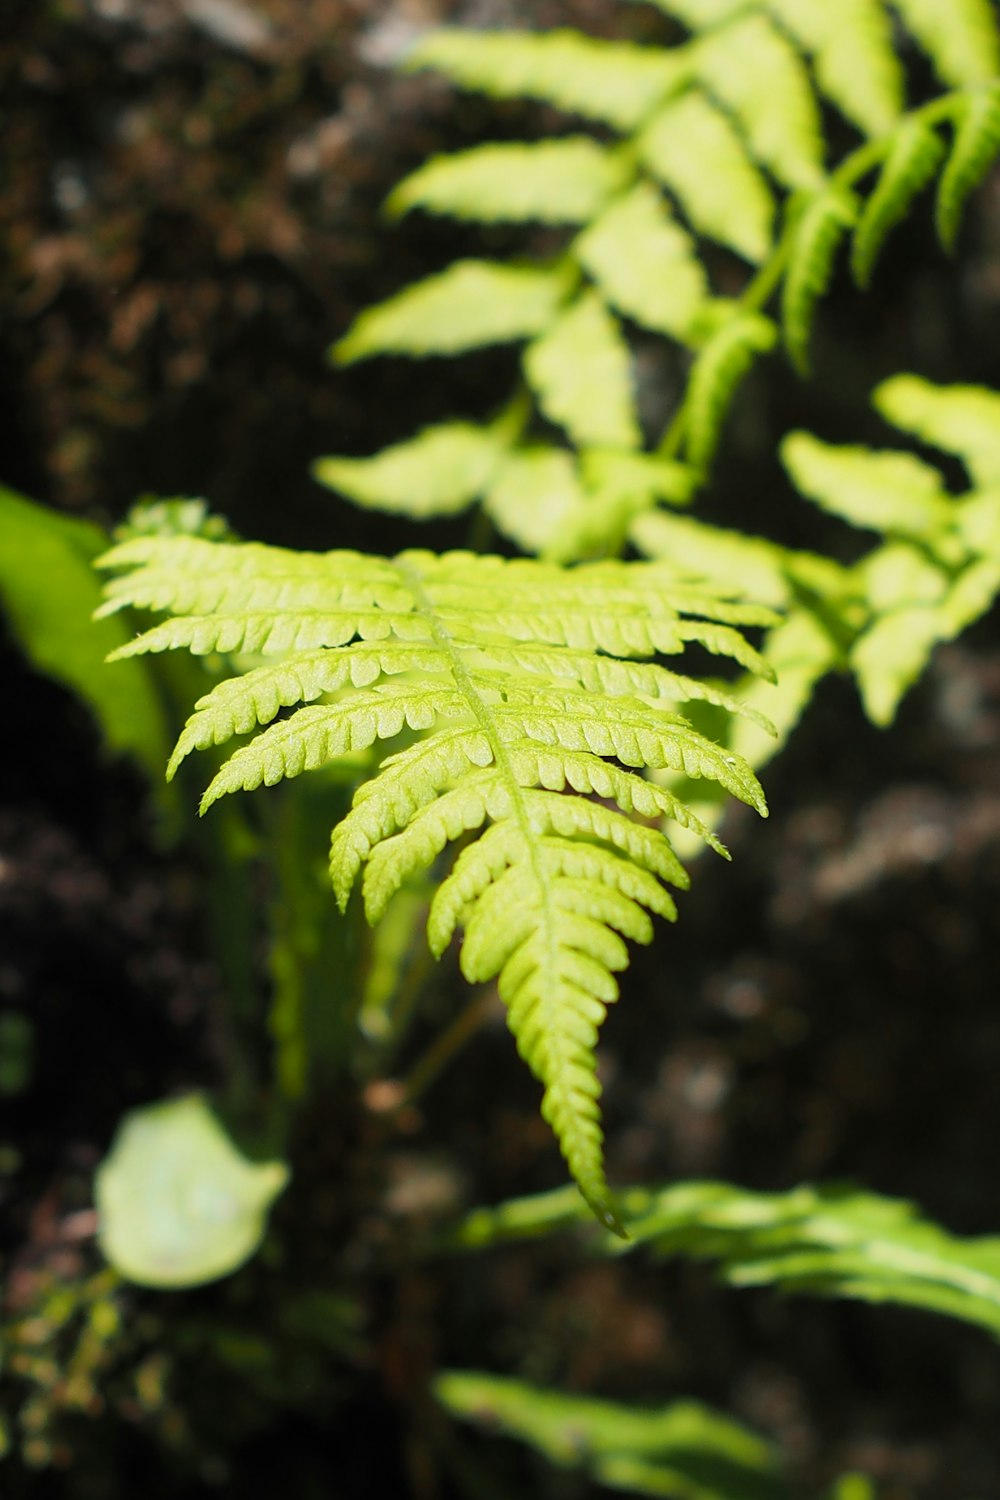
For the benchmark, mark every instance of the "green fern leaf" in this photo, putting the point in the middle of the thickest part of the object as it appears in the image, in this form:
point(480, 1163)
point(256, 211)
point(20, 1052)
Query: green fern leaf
point(535, 497)
point(856, 64)
point(580, 372)
point(700, 15)
point(977, 140)
point(611, 81)
point(473, 302)
point(731, 559)
point(821, 226)
point(720, 366)
point(684, 1450)
point(437, 473)
point(889, 492)
point(960, 419)
point(644, 263)
point(819, 1241)
point(535, 691)
point(694, 150)
point(913, 160)
point(758, 75)
point(960, 38)
point(555, 182)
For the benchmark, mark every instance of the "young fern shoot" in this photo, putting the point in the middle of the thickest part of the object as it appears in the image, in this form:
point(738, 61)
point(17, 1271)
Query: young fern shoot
point(523, 702)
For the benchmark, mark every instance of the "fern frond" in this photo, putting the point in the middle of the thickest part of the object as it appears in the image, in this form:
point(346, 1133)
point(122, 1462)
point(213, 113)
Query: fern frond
point(720, 366)
point(580, 371)
point(977, 140)
point(564, 181)
point(960, 38)
point(535, 691)
point(821, 225)
point(890, 492)
point(852, 48)
point(439, 472)
point(695, 151)
point(684, 1450)
point(611, 81)
point(644, 263)
point(960, 419)
point(473, 302)
point(752, 70)
point(913, 159)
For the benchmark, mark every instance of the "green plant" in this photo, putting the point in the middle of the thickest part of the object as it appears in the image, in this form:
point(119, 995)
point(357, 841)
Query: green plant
point(531, 706)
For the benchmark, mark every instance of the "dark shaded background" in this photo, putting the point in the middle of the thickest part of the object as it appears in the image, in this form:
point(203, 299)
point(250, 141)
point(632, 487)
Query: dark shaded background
point(189, 214)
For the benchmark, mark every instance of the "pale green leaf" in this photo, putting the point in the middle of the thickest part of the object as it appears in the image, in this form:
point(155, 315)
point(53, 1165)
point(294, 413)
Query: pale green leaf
point(49, 592)
point(855, 61)
point(563, 181)
point(645, 264)
point(177, 1203)
point(695, 151)
point(758, 75)
point(888, 492)
point(612, 81)
point(437, 473)
point(960, 419)
point(580, 370)
point(959, 37)
point(535, 496)
point(473, 302)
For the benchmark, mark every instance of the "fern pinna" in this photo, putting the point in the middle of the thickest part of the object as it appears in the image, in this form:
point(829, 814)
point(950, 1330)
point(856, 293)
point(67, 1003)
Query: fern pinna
point(722, 138)
point(530, 701)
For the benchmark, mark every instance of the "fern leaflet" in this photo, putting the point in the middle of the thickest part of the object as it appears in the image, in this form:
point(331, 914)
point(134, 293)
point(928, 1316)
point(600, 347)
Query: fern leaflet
point(977, 139)
point(912, 162)
point(534, 690)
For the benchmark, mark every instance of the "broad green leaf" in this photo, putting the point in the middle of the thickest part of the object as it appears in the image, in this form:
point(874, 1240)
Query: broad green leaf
point(684, 1449)
point(758, 75)
point(855, 61)
point(555, 182)
point(49, 592)
point(960, 37)
point(473, 302)
point(437, 473)
point(644, 262)
point(960, 419)
point(889, 492)
point(695, 151)
point(177, 1204)
point(612, 81)
point(580, 370)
